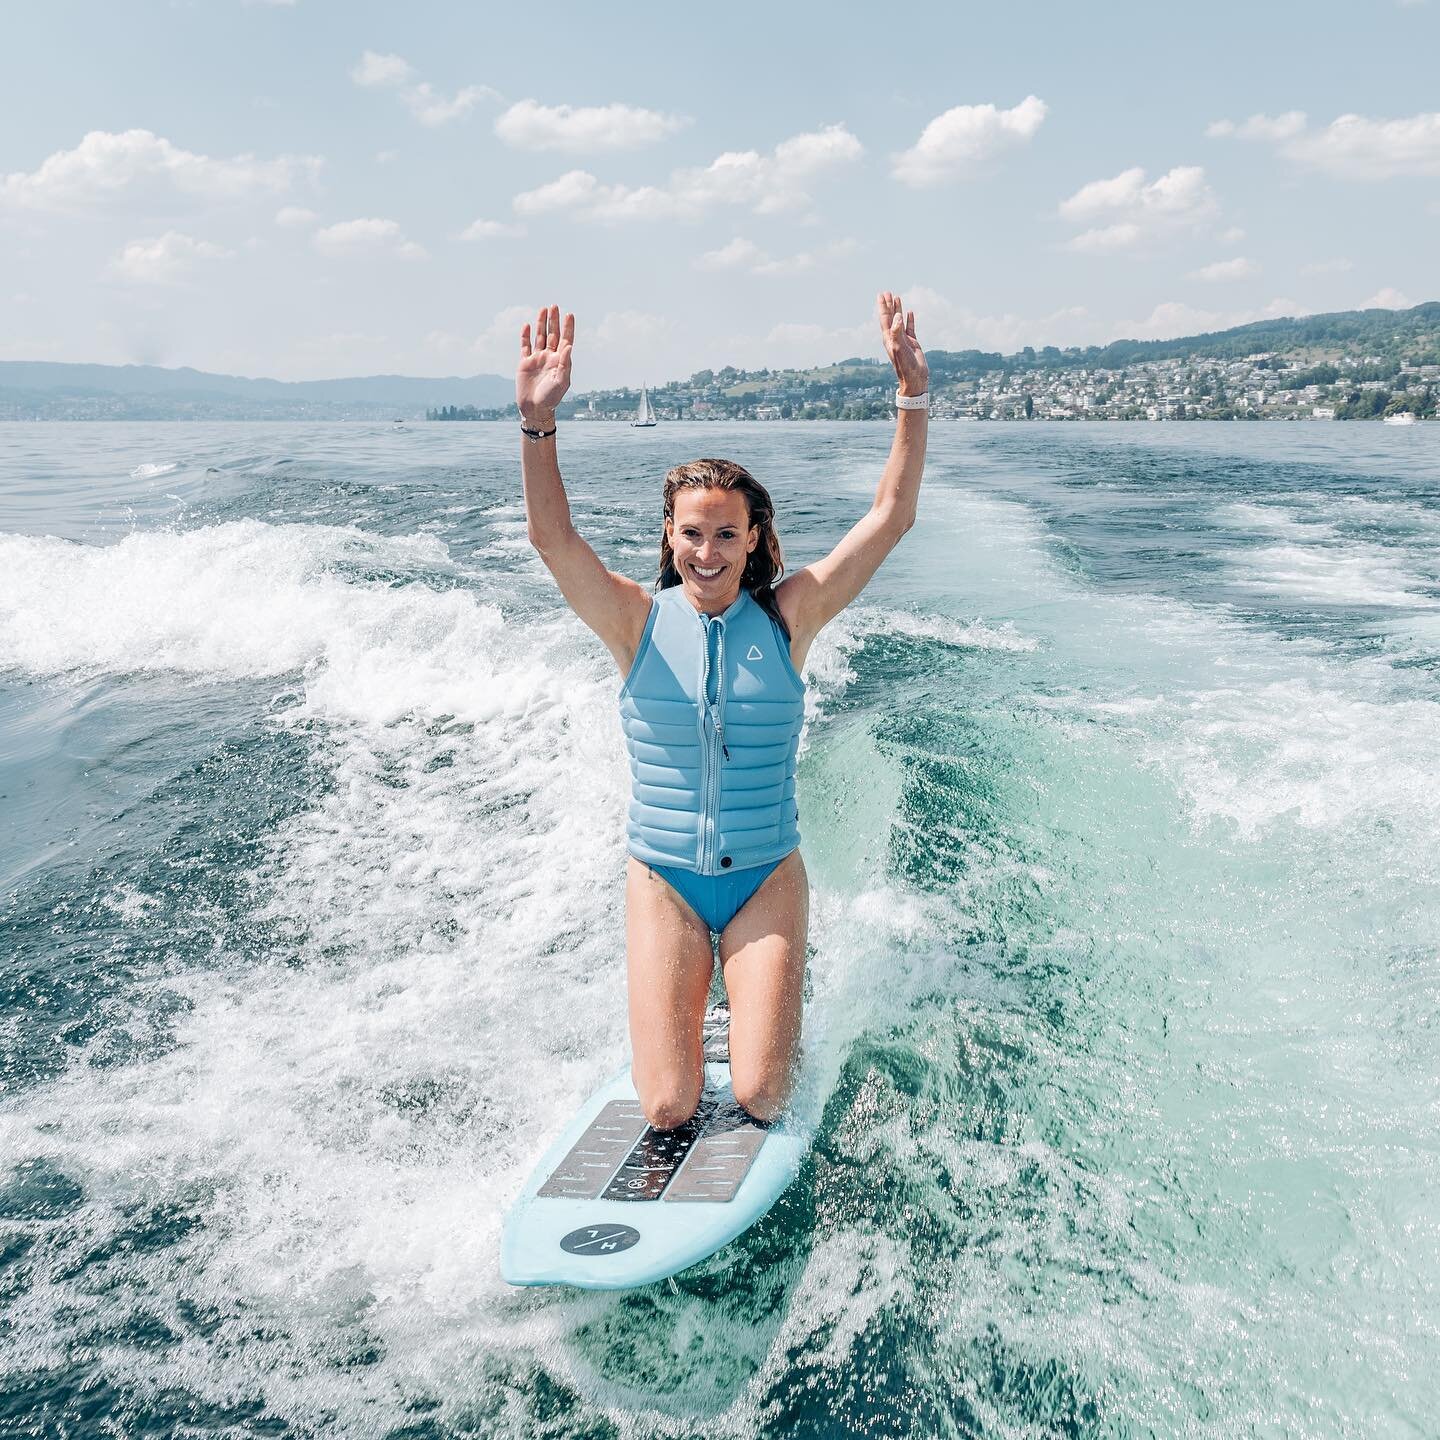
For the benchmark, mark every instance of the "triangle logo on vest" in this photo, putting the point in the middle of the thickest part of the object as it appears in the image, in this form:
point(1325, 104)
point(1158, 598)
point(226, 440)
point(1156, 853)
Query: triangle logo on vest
point(754, 653)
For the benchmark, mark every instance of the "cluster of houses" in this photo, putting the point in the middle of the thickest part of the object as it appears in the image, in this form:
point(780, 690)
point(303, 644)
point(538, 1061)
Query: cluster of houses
point(1193, 388)
point(1189, 389)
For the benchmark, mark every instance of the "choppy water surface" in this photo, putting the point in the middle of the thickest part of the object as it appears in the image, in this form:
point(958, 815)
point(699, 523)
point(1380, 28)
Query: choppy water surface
point(1120, 805)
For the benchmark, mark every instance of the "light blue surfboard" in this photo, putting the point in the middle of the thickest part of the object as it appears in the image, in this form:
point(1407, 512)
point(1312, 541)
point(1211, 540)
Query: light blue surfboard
point(614, 1203)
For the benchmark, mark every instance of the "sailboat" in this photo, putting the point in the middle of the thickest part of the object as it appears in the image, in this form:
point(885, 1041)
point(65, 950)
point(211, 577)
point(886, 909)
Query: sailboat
point(645, 415)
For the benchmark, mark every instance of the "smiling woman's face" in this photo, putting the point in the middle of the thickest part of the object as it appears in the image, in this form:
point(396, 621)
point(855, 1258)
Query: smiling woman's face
point(711, 538)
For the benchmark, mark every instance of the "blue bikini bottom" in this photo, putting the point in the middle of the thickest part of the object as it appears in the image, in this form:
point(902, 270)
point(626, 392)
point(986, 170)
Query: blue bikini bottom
point(716, 899)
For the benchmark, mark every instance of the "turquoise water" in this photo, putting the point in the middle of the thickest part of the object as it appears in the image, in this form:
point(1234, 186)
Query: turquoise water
point(1119, 800)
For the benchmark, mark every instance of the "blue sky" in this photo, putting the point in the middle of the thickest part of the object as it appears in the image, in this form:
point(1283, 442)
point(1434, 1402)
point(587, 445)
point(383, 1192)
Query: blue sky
point(323, 188)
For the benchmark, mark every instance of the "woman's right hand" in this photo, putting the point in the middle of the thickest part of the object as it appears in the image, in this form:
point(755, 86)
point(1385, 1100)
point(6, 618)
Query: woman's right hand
point(543, 375)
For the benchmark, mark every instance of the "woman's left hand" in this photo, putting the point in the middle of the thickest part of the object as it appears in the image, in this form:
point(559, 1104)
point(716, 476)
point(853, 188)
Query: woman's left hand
point(898, 330)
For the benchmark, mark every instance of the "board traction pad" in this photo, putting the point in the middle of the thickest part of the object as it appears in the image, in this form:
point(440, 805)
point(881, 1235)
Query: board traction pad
point(619, 1157)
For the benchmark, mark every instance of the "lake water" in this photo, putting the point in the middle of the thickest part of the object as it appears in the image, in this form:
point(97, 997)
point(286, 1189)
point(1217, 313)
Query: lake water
point(1119, 799)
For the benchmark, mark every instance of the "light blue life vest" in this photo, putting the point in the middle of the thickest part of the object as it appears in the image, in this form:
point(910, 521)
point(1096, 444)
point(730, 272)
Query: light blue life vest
point(712, 710)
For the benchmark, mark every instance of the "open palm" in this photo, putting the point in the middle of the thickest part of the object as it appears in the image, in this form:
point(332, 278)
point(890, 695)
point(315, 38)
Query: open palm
point(543, 375)
point(897, 328)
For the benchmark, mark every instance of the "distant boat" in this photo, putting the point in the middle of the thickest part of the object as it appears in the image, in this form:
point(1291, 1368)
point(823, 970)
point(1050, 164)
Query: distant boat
point(645, 415)
point(397, 424)
point(1405, 417)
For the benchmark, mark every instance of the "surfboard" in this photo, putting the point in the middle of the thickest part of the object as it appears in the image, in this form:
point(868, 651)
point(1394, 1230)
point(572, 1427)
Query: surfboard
point(614, 1203)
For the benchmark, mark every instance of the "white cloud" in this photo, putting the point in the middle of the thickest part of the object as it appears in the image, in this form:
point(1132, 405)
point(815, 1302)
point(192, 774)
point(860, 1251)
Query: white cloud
point(1237, 269)
point(164, 260)
point(428, 105)
point(490, 230)
point(1138, 211)
point(295, 217)
point(366, 237)
point(1172, 317)
point(1387, 299)
point(1233, 236)
point(381, 71)
point(1259, 127)
point(580, 193)
point(584, 129)
point(620, 328)
point(107, 167)
point(1355, 148)
point(386, 157)
point(795, 264)
point(627, 346)
point(941, 324)
point(765, 183)
point(799, 343)
point(1182, 190)
point(743, 254)
point(1107, 239)
point(738, 254)
point(805, 343)
point(1350, 147)
point(621, 343)
point(955, 144)
point(1327, 267)
point(496, 346)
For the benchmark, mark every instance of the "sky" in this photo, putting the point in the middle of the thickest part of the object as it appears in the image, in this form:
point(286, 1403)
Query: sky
point(314, 188)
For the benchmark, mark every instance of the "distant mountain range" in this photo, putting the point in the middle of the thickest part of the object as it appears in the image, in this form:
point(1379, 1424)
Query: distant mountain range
point(48, 390)
point(45, 390)
point(1381, 332)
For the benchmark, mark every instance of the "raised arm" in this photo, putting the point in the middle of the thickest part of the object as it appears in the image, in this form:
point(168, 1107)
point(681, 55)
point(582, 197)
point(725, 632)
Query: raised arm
point(613, 606)
point(810, 598)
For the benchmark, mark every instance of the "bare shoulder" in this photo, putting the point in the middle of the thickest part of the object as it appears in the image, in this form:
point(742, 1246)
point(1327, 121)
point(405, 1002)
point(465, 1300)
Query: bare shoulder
point(634, 602)
point(791, 597)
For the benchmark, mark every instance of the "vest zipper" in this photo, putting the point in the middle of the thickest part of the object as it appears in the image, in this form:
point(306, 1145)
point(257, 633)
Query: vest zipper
point(715, 737)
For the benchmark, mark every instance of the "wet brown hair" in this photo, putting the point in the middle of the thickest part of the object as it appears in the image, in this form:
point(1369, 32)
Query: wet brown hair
point(765, 564)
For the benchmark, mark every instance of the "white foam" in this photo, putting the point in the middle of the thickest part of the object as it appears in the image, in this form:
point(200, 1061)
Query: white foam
point(447, 926)
point(151, 469)
point(1362, 513)
point(1351, 573)
point(1305, 751)
point(1273, 519)
point(348, 1122)
point(828, 671)
point(248, 600)
point(863, 620)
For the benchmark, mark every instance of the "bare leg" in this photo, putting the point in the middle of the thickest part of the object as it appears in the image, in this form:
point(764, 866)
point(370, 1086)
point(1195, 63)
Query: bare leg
point(763, 952)
point(669, 964)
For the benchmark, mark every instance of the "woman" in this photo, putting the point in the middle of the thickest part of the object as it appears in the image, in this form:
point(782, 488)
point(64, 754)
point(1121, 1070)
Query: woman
point(711, 706)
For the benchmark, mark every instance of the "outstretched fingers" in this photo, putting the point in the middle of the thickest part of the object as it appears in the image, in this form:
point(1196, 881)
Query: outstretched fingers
point(892, 319)
point(525, 340)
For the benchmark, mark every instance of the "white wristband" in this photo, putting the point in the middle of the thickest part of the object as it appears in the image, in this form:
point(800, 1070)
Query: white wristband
point(912, 402)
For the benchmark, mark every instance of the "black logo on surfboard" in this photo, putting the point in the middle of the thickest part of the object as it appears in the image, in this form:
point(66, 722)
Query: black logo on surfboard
point(600, 1239)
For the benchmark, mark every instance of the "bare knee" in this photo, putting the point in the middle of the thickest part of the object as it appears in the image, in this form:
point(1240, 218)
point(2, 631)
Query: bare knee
point(669, 1102)
point(763, 1093)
